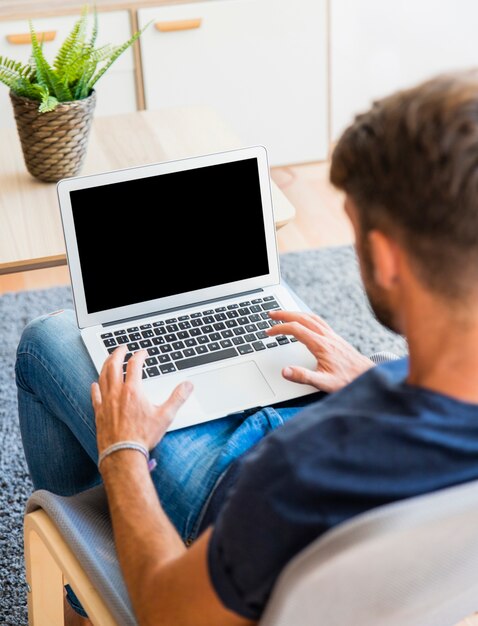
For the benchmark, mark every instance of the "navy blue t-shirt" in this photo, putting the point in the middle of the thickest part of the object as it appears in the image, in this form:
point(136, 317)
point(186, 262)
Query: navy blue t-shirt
point(376, 441)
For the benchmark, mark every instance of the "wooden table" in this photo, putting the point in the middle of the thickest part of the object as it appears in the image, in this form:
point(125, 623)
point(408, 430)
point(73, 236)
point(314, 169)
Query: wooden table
point(31, 235)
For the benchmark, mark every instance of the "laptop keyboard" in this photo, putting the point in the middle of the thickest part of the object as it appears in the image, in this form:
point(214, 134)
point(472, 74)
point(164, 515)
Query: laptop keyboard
point(186, 341)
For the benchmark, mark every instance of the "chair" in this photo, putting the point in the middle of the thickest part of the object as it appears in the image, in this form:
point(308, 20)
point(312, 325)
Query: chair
point(412, 563)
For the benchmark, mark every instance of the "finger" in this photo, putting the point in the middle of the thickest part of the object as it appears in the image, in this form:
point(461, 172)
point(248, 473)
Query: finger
point(302, 375)
point(134, 371)
point(309, 320)
point(309, 338)
point(175, 401)
point(112, 371)
point(96, 396)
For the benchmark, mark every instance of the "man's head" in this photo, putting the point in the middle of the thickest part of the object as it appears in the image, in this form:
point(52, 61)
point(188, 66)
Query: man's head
point(409, 168)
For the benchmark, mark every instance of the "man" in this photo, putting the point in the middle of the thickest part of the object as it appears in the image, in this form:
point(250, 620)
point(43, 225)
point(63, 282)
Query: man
point(409, 170)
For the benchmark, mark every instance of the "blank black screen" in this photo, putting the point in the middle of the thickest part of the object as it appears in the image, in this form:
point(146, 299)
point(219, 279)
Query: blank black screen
point(154, 237)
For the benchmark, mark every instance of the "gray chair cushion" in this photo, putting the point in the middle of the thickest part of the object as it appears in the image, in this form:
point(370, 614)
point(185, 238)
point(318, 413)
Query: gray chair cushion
point(84, 523)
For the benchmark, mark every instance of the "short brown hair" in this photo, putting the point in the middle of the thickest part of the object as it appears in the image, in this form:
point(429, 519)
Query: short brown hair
point(410, 165)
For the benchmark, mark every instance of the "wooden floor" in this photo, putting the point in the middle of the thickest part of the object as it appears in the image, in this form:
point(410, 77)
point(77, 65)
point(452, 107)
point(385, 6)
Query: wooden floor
point(320, 221)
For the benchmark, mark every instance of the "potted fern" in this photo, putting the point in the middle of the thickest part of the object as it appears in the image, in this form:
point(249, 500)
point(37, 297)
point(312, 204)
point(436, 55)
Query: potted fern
point(54, 103)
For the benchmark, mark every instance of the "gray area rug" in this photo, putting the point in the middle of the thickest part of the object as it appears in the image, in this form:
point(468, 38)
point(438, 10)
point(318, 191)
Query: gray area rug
point(326, 279)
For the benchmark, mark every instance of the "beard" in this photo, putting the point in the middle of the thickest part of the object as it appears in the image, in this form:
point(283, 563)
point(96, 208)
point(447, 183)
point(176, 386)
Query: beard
point(378, 298)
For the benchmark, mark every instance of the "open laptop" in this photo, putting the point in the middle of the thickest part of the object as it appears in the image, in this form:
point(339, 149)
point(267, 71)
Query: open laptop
point(180, 258)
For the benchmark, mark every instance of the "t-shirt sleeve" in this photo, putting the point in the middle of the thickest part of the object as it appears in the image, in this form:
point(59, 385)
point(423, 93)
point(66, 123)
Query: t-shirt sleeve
point(267, 519)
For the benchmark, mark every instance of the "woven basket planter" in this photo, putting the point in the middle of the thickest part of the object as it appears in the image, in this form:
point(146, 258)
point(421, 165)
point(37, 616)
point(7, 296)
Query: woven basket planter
point(54, 144)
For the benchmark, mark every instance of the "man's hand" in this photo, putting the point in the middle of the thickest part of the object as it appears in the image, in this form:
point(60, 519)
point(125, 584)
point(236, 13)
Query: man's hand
point(338, 363)
point(123, 412)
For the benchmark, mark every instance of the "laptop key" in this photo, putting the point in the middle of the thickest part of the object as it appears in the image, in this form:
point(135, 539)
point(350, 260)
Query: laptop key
point(153, 351)
point(189, 352)
point(135, 336)
point(127, 356)
point(232, 314)
point(242, 321)
point(231, 323)
point(201, 349)
point(250, 338)
point(190, 343)
point(168, 368)
point(181, 318)
point(195, 332)
point(258, 345)
point(145, 326)
point(172, 328)
point(158, 341)
point(161, 323)
point(146, 343)
point(220, 317)
point(178, 345)
point(132, 347)
point(246, 303)
point(254, 318)
point(122, 339)
point(239, 331)
point(208, 319)
point(106, 335)
point(250, 328)
point(183, 334)
point(219, 326)
point(282, 340)
point(170, 338)
point(196, 322)
point(220, 309)
point(269, 298)
point(111, 350)
point(256, 308)
point(152, 371)
point(120, 332)
point(207, 329)
point(262, 335)
point(265, 315)
point(110, 342)
point(226, 343)
point(263, 325)
point(147, 333)
point(245, 349)
point(237, 341)
point(227, 333)
point(184, 325)
point(232, 306)
point(214, 346)
point(171, 320)
point(160, 331)
point(268, 306)
point(176, 355)
point(133, 329)
point(274, 322)
point(165, 348)
point(214, 337)
point(293, 340)
point(164, 358)
point(203, 339)
point(274, 344)
point(210, 357)
point(244, 311)
point(195, 315)
point(208, 312)
point(256, 301)
point(152, 360)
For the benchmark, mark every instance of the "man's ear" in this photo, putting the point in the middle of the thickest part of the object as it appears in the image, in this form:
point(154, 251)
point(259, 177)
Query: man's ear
point(385, 259)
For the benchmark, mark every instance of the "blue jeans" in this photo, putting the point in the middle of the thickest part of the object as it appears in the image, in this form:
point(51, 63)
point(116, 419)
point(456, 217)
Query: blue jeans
point(54, 375)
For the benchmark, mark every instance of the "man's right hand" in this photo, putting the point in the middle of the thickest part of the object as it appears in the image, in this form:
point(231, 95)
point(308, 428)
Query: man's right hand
point(338, 363)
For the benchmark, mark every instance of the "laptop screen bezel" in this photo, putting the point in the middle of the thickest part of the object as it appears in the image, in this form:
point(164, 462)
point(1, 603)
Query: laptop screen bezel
point(150, 307)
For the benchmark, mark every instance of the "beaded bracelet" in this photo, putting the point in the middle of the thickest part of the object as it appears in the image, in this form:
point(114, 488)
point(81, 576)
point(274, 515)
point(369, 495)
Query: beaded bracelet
point(127, 445)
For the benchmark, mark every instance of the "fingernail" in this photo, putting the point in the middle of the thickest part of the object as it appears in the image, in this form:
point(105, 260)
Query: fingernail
point(188, 386)
point(287, 372)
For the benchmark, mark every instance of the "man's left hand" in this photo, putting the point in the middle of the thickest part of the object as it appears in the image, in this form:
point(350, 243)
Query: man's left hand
point(123, 411)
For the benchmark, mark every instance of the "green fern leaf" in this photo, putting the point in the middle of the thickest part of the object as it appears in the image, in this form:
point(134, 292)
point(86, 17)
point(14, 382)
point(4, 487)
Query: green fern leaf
point(73, 44)
point(45, 74)
point(49, 103)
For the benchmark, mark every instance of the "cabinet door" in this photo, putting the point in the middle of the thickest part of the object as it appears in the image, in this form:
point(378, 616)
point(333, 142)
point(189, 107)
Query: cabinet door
point(261, 64)
point(116, 89)
point(378, 47)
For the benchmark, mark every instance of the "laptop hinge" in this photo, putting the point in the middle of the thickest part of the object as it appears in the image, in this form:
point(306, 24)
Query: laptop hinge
point(181, 308)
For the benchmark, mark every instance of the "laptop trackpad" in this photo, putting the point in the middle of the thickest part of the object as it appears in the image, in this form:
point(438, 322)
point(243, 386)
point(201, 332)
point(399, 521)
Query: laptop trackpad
point(232, 388)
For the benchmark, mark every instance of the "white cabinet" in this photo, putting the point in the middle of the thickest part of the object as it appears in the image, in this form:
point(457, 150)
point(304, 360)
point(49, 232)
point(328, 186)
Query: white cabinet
point(378, 47)
point(262, 64)
point(115, 90)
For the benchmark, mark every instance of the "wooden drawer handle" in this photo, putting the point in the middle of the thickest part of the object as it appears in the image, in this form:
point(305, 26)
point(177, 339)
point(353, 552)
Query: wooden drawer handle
point(169, 27)
point(20, 39)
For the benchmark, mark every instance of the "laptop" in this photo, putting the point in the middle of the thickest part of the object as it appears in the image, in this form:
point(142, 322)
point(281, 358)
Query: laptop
point(180, 259)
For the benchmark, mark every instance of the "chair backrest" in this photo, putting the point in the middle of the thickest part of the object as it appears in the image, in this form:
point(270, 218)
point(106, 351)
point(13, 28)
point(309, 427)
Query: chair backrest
point(412, 563)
